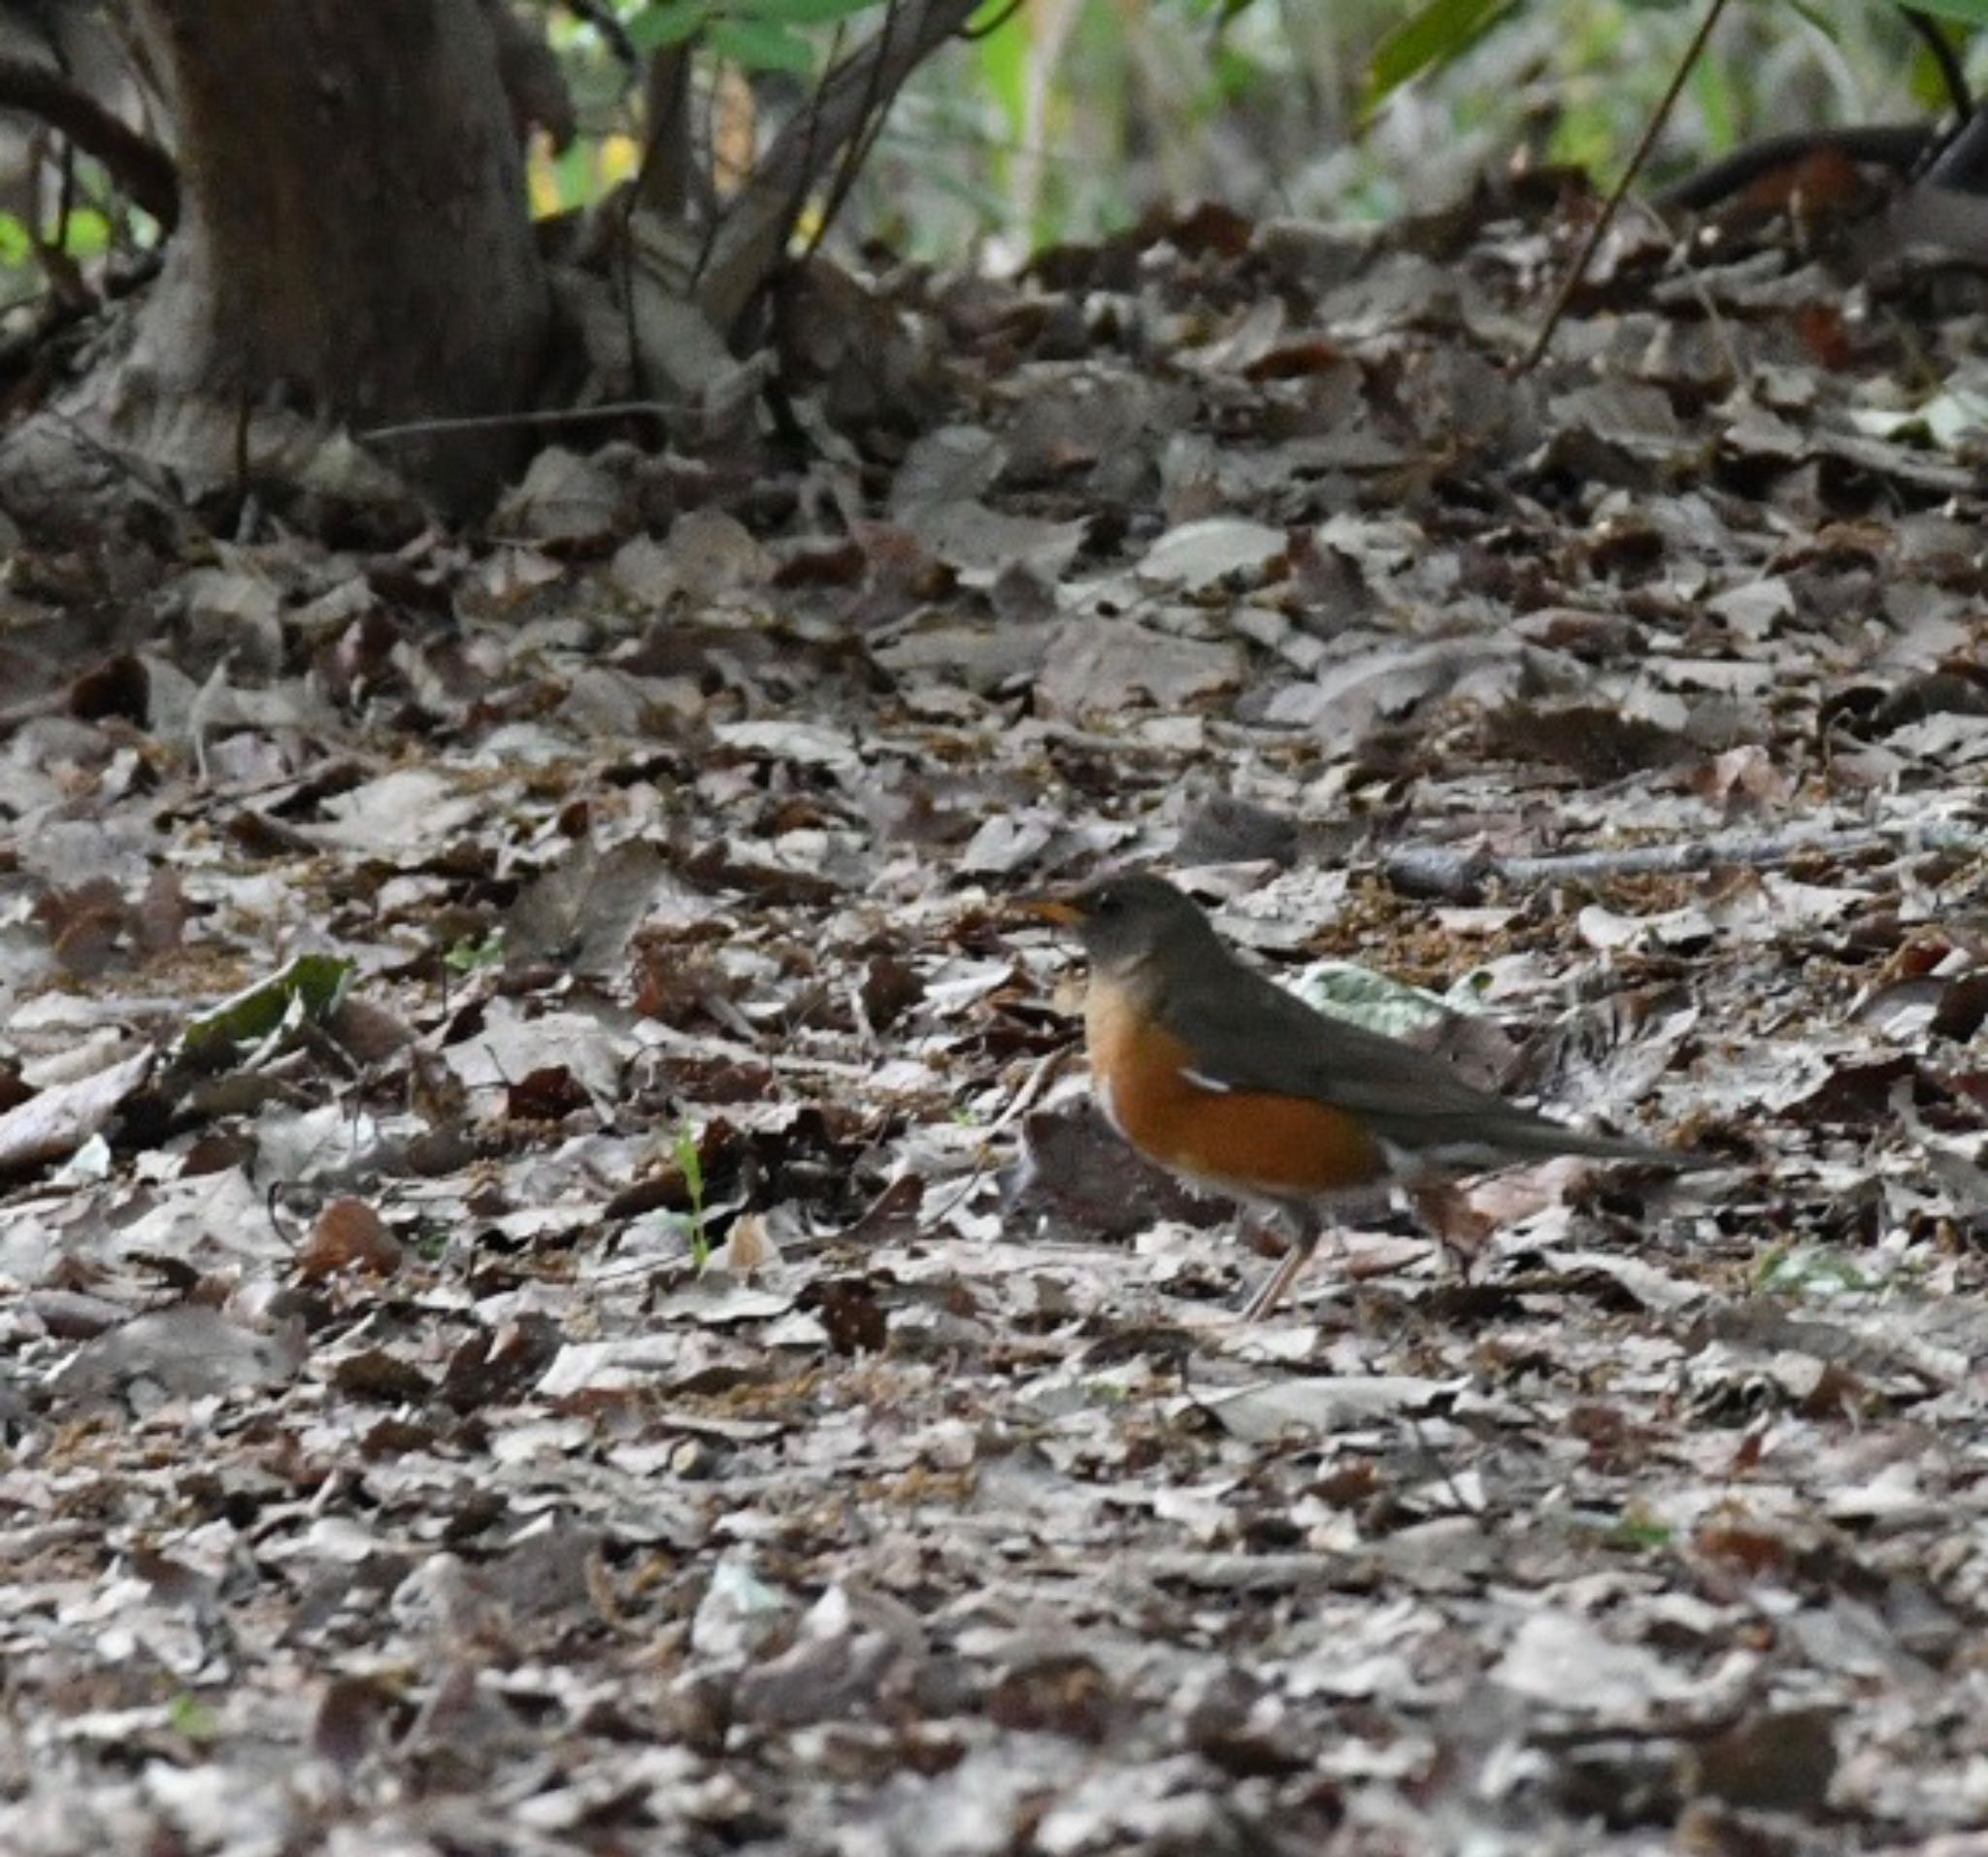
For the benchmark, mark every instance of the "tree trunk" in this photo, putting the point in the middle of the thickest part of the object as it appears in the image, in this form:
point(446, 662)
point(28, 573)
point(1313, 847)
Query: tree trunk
point(353, 246)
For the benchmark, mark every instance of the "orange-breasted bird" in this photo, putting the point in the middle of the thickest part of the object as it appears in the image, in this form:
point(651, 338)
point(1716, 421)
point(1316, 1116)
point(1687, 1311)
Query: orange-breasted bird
point(1221, 1077)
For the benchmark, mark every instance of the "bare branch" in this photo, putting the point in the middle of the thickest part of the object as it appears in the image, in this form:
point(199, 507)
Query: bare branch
point(1447, 871)
point(139, 165)
point(755, 229)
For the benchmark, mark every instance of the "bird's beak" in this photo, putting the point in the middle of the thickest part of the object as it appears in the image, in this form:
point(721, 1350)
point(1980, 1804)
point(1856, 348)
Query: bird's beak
point(1052, 909)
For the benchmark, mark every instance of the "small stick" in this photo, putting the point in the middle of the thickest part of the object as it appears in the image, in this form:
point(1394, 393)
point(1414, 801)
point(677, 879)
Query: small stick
point(499, 421)
point(1441, 871)
point(1657, 117)
point(1032, 1088)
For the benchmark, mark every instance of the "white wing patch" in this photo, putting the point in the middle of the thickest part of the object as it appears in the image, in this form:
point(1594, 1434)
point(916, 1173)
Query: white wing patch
point(1214, 1084)
point(1101, 1088)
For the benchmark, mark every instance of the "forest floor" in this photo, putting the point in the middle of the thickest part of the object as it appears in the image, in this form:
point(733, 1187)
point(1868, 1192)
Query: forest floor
point(561, 1289)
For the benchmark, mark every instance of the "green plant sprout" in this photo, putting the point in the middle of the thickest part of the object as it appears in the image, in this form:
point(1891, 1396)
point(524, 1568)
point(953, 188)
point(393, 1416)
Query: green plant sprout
point(468, 958)
point(1804, 1270)
point(193, 1717)
point(684, 1148)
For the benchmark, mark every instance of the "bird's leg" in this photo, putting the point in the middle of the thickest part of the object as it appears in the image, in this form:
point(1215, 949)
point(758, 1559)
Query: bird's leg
point(1304, 1242)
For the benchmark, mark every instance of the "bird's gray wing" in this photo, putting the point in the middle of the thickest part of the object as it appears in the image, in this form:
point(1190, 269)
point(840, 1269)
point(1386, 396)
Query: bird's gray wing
point(1247, 1033)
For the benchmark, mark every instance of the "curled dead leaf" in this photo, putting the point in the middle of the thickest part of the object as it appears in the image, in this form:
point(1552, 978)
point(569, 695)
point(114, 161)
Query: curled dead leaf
point(349, 1234)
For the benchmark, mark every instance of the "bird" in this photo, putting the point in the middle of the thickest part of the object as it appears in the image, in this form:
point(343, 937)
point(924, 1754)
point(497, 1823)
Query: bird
point(1222, 1077)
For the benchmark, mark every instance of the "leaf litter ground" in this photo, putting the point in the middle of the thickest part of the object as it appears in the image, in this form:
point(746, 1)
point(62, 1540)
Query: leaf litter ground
point(562, 1294)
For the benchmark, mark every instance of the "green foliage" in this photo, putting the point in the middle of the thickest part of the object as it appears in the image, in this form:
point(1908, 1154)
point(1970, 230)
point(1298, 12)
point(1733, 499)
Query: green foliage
point(1001, 62)
point(193, 1717)
point(1067, 118)
point(758, 35)
point(308, 988)
point(470, 957)
point(1812, 1271)
point(86, 233)
point(1634, 1532)
point(1434, 34)
point(1713, 89)
point(80, 235)
point(685, 1151)
point(1969, 12)
point(1928, 82)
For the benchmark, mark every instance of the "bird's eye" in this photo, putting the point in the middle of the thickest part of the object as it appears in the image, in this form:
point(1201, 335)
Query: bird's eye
point(1109, 902)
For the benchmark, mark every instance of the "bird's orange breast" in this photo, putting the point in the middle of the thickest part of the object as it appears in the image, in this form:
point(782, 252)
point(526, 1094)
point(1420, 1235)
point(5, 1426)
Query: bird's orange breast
point(1249, 1142)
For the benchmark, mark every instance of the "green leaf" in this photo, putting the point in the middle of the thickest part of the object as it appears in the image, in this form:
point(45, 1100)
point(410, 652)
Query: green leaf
point(1002, 57)
point(193, 1717)
point(684, 1150)
point(1238, 74)
point(1433, 34)
point(667, 22)
point(1806, 1270)
point(86, 233)
point(1969, 13)
point(808, 13)
point(691, 1164)
point(1926, 80)
point(1635, 1531)
point(1223, 12)
point(467, 956)
point(758, 45)
point(1711, 84)
point(307, 987)
point(1819, 20)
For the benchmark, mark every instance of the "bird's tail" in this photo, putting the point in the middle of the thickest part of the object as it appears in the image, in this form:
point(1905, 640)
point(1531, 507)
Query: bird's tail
point(1538, 1135)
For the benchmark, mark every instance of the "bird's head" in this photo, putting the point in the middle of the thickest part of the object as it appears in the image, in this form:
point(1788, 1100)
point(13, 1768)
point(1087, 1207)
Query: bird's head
point(1126, 921)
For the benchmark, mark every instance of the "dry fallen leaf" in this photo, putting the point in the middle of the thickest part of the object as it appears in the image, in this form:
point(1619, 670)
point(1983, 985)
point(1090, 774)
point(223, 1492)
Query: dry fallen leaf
point(348, 1235)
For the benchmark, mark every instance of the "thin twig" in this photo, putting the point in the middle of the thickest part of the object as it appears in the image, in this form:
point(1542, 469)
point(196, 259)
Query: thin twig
point(1032, 1088)
point(547, 416)
point(857, 145)
point(753, 233)
point(1445, 870)
point(1596, 232)
point(139, 166)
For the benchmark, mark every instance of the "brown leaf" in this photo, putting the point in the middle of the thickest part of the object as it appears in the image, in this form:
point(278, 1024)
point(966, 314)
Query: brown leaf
point(120, 686)
point(548, 1094)
point(1065, 1694)
point(1779, 1761)
point(349, 1234)
point(351, 1720)
point(375, 1374)
point(850, 1312)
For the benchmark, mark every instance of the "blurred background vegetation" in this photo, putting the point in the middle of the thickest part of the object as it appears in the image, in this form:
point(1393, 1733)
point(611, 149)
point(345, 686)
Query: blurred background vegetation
point(1072, 117)
point(1066, 120)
